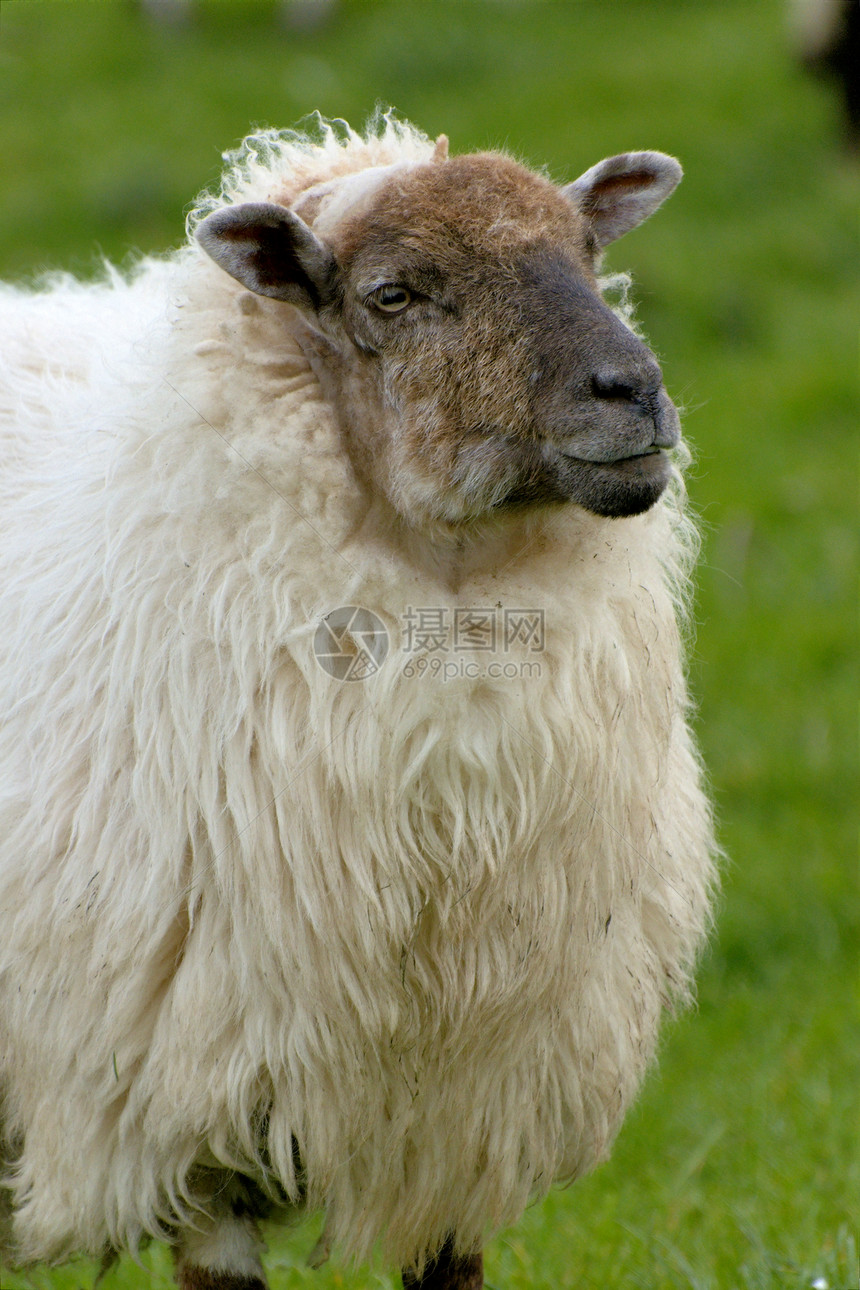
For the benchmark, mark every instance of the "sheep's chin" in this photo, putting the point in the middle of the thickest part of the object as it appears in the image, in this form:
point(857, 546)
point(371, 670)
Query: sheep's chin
point(626, 487)
point(614, 489)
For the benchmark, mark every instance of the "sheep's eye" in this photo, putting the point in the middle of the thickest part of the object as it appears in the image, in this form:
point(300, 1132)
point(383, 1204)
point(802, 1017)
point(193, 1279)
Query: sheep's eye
point(391, 299)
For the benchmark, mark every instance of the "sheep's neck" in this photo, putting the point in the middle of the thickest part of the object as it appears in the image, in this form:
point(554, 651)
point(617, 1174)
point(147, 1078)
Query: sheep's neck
point(458, 555)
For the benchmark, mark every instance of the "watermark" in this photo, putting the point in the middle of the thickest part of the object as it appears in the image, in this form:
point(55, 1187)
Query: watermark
point(452, 669)
point(428, 630)
point(351, 643)
point(443, 642)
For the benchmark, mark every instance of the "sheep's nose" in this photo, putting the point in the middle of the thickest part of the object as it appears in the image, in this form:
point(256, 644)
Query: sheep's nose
point(639, 386)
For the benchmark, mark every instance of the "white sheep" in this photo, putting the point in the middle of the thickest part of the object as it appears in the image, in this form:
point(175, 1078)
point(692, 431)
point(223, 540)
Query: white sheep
point(397, 947)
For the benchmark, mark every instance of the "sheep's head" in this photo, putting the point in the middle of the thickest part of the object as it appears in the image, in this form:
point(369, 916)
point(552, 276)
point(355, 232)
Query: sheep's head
point(457, 325)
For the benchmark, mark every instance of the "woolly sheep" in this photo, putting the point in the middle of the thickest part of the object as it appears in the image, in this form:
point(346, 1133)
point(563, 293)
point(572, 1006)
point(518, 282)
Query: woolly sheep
point(272, 937)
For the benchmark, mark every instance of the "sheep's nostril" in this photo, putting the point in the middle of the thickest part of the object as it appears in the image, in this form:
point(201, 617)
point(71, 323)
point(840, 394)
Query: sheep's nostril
point(621, 385)
point(610, 387)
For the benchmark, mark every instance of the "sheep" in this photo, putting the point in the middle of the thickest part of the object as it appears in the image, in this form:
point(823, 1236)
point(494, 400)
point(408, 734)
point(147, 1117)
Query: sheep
point(825, 39)
point(392, 942)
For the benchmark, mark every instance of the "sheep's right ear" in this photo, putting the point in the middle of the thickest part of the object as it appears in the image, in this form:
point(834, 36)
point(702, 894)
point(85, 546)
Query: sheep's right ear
point(271, 252)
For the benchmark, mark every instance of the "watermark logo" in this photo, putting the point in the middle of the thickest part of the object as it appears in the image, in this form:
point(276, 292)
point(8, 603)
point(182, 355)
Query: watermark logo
point(351, 643)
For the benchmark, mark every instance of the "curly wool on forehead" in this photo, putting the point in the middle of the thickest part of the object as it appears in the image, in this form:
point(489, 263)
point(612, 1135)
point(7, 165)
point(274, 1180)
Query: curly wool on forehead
point(482, 200)
point(282, 165)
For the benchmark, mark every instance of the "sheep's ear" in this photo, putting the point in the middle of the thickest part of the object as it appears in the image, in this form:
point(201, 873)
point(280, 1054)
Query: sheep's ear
point(621, 192)
point(271, 252)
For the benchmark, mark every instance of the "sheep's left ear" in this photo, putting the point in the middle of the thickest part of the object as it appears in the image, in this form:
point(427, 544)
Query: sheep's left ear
point(621, 192)
point(271, 252)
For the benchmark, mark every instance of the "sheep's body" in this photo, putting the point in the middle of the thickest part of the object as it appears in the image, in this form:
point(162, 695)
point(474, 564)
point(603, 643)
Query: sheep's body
point(420, 928)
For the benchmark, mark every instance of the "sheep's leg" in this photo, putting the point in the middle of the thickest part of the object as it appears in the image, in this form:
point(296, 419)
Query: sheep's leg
point(223, 1251)
point(449, 1271)
point(226, 1256)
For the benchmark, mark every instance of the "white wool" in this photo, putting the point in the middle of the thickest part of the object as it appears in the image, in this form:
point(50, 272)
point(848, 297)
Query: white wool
point(423, 927)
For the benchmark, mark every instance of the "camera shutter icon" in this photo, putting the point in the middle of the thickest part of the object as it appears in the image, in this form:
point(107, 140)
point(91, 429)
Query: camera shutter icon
point(351, 643)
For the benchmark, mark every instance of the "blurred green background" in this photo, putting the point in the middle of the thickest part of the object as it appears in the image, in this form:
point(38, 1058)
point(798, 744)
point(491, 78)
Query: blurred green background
point(739, 1168)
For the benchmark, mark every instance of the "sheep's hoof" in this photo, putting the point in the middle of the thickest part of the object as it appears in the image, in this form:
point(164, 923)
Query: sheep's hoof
point(193, 1278)
point(449, 1271)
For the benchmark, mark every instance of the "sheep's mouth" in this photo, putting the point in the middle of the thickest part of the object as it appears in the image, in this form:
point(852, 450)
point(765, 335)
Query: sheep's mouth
point(654, 450)
point(623, 486)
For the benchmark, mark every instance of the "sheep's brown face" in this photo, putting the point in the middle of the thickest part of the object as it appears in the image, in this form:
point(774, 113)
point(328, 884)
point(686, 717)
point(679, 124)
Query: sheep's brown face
point(469, 352)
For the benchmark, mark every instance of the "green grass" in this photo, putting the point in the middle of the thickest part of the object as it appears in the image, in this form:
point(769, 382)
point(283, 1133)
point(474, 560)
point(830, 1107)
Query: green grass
point(739, 1168)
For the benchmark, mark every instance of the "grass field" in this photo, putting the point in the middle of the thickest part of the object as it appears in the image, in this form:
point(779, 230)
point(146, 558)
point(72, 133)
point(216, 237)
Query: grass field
point(739, 1168)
